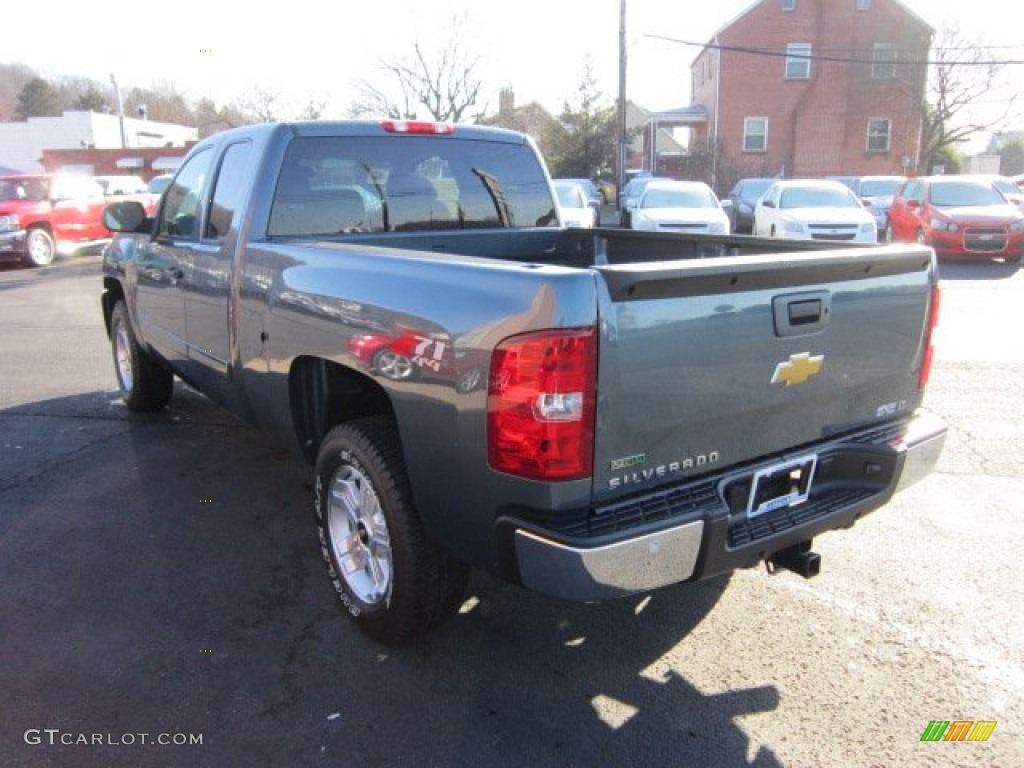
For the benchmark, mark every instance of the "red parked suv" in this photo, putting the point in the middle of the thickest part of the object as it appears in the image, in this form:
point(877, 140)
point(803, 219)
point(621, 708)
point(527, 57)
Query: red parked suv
point(957, 216)
point(42, 214)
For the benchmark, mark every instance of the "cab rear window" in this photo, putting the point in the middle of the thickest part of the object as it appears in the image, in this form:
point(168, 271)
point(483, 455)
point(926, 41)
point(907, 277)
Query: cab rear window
point(336, 186)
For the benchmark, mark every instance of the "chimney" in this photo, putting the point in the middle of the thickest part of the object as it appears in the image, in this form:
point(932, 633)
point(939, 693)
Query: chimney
point(506, 103)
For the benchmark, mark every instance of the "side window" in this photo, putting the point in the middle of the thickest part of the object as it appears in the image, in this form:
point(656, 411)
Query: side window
point(798, 61)
point(228, 190)
point(883, 61)
point(182, 208)
point(879, 134)
point(755, 134)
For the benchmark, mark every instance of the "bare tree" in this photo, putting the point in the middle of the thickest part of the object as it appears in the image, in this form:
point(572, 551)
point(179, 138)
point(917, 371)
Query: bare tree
point(442, 82)
point(163, 103)
point(962, 75)
point(261, 106)
point(313, 110)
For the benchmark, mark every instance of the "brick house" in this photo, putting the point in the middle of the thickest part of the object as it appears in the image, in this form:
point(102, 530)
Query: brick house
point(531, 119)
point(810, 88)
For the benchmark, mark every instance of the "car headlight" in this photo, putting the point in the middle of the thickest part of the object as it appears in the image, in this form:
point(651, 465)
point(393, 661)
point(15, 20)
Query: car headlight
point(716, 228)
point(868, 228)
point(794, 227)
point(9, 223)
point(1017, 225)
point(943, 225)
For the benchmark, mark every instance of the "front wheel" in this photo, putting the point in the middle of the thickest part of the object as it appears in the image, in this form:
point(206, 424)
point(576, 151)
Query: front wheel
point(39, 248)
point(393, 581)
point(144, 383)
point(395, 366)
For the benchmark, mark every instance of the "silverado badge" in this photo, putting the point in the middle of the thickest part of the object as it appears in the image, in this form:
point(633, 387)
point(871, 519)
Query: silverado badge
point(798, 369)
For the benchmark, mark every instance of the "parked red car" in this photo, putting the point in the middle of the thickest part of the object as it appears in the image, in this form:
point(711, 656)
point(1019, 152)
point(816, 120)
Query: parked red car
point(408, 354)
point(957, 216)
point(41, 214)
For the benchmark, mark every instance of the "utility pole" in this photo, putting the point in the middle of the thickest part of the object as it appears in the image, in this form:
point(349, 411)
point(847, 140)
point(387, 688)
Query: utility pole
point(623, 139)
point(622, 97)
point(120, 112)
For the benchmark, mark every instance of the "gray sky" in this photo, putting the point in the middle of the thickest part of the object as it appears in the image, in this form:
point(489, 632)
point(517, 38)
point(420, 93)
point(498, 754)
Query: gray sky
point(305, 50)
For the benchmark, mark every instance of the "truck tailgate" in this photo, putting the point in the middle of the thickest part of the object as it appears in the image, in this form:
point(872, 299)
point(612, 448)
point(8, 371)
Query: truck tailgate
point(709, 363)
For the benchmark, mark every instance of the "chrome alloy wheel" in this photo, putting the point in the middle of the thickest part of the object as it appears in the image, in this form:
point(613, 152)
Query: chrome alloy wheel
point(393, 365)
point(123, 357)
point(359, 535)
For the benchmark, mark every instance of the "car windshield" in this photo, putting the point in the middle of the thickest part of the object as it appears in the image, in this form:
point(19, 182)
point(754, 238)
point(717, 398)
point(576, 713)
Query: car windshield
point(964, 194)
point(753, 188)
point(679, 198)
point(569, 196)
point(879, 187)
point(24, 189)
point(1006, 186)
point(817, 197)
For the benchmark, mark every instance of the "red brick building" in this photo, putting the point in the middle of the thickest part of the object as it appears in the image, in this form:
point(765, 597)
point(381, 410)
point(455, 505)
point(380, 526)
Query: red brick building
point(813, 88)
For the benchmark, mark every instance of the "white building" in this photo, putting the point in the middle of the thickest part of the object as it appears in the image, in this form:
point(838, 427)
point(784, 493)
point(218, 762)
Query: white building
point(22, 144)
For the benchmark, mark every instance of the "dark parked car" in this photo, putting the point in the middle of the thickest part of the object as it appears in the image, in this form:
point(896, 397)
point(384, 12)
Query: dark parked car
point(744, 197)
point(876, 192)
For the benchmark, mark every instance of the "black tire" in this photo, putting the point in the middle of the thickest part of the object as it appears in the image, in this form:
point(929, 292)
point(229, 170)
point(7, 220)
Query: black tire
point(393, 581)
point(40, 248)
point(144, 383)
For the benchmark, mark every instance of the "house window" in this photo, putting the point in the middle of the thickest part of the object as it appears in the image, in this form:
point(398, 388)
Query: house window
point(788, 5)
point(863, 5)
point(755, 134)
point(879, 134)
point(798, 61)
point(883, 62)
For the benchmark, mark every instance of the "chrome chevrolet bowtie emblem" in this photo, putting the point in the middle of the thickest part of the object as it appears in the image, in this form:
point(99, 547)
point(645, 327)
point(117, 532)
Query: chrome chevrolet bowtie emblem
point(798, 369)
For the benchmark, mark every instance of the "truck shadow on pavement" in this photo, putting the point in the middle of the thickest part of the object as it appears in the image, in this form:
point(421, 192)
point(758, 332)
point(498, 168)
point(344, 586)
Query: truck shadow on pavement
point(166, 579)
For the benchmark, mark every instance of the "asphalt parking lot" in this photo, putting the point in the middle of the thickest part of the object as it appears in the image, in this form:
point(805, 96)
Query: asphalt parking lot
point(164, 603)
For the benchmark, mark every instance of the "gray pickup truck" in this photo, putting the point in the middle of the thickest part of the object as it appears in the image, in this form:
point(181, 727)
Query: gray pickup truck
point(588, 413)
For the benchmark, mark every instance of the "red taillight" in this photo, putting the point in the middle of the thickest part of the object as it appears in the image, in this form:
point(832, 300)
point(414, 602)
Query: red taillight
point(929, 337)
point(417, 126)
point(540, 405)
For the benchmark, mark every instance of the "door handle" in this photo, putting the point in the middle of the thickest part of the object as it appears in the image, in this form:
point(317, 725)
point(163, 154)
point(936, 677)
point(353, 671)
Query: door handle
point(798, 314)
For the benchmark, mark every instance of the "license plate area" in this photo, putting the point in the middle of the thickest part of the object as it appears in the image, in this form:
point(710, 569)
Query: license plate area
point(781, 485)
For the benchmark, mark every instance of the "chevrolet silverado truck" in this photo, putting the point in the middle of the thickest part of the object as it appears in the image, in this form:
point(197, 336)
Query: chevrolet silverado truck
point(43, 214)
point(587, 413)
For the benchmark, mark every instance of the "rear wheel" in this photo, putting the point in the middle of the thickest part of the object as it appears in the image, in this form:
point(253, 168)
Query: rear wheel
point(144, 383)
point(39, 247)
point(393, 581)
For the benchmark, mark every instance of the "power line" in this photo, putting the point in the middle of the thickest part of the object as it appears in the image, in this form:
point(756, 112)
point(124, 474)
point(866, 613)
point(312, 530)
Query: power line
point(841, 59)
